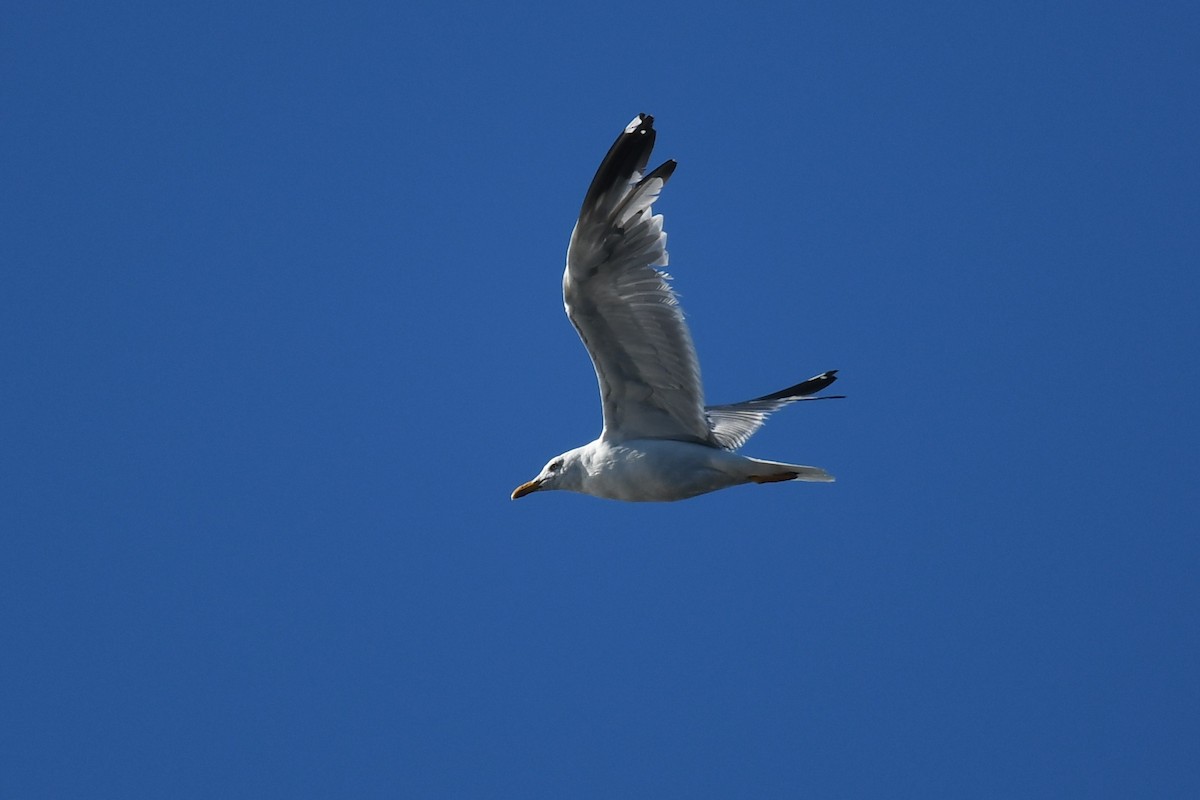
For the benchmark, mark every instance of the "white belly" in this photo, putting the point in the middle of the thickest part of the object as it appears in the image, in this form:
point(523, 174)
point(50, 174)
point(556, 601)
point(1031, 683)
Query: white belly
point(659, 470)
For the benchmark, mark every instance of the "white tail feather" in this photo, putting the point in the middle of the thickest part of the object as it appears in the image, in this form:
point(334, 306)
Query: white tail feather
point(759, 471)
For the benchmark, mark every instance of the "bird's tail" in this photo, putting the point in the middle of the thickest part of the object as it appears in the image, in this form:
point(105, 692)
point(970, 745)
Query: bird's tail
point(759, 471)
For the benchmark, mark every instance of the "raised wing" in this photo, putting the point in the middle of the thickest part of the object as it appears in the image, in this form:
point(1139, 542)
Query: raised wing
point(622, 305)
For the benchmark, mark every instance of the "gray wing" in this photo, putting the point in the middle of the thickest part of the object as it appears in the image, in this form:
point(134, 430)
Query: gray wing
point(622, 305)
point(732, 425)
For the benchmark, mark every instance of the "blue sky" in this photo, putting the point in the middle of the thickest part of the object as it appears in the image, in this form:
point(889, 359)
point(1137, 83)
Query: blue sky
point(282, 328)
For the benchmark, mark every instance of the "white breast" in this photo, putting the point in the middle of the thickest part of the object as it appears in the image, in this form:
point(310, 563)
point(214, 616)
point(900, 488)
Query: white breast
point(658, 470)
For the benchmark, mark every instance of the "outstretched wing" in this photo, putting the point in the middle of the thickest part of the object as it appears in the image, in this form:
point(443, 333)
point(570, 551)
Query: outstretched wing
point(732, 425)
point(622, 305)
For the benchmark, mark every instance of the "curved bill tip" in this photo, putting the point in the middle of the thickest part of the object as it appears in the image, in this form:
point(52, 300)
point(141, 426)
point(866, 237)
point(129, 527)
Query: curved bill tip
point(526, 488)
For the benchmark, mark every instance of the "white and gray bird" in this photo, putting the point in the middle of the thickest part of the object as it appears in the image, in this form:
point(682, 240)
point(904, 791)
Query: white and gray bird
point(659, 442)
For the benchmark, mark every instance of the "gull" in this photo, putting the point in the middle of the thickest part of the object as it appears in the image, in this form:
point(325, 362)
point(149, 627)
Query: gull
point(659, 441)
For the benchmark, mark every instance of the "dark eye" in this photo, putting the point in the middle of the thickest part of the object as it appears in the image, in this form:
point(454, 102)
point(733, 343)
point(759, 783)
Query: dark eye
point(556, 465)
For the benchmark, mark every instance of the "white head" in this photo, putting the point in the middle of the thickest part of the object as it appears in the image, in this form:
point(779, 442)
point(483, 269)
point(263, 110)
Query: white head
point(561, 472)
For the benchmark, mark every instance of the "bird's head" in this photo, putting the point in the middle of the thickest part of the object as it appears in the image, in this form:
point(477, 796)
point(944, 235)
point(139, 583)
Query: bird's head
point(561, 472)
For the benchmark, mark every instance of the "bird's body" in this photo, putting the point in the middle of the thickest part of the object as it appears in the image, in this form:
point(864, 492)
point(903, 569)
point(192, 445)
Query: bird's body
point(659, 442)
point(663, 469)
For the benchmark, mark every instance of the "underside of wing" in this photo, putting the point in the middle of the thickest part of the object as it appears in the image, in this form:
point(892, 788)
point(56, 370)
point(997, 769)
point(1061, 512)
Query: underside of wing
point(622, 304)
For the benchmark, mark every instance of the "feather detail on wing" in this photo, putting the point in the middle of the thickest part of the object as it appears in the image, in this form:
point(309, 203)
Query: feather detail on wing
point(734, 424)
point(622, 305)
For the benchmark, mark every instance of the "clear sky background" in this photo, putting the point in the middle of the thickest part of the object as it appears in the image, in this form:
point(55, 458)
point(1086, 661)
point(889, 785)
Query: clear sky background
point(282, 328)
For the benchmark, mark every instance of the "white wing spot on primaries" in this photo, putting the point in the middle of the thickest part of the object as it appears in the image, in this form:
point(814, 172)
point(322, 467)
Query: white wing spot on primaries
point(633, 126)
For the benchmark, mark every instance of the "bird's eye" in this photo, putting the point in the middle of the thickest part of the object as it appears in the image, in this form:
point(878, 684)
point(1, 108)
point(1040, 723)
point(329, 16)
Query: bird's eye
point(556, 465)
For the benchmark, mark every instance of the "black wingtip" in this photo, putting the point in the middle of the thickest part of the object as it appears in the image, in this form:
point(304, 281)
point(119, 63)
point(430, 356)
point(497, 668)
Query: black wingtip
point(804, 388)
point(628, 154)
point(664, 171)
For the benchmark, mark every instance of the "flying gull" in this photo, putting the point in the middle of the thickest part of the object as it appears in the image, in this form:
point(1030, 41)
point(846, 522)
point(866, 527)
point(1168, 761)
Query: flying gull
point(659, 442)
